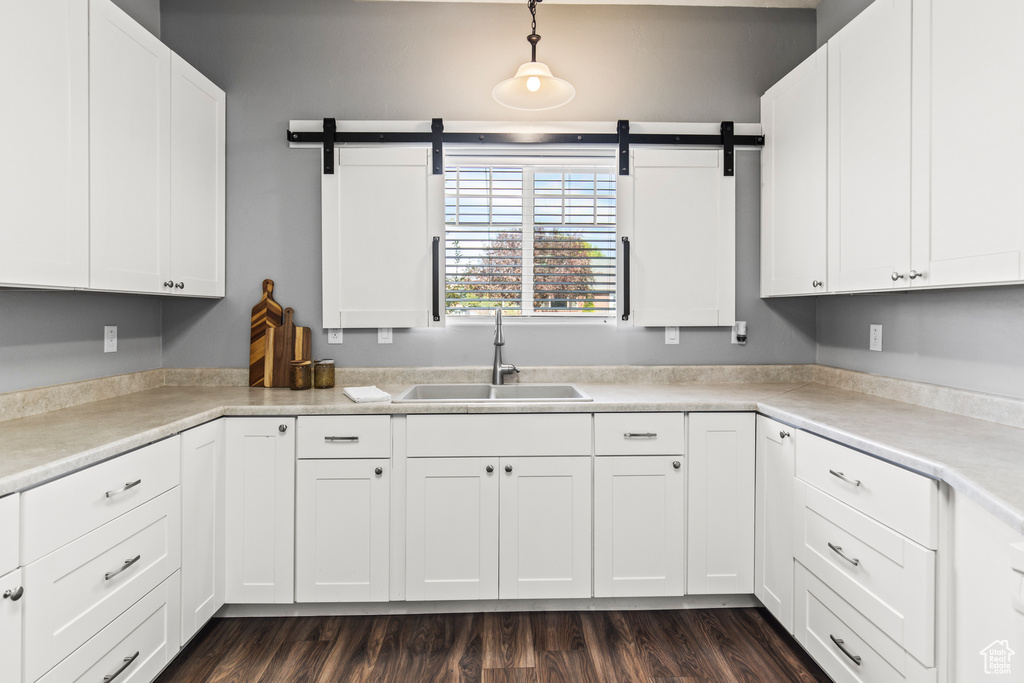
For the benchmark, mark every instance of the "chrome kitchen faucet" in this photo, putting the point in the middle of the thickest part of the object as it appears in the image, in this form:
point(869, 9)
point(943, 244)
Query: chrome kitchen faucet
point(500, 369)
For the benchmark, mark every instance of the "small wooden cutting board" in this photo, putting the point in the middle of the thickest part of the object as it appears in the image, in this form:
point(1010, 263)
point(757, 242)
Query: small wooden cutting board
point(266, 315)
point(303, 343)
point(279, 350)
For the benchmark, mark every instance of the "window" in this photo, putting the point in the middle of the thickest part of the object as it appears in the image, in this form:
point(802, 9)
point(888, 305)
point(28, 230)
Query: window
point(535, 239)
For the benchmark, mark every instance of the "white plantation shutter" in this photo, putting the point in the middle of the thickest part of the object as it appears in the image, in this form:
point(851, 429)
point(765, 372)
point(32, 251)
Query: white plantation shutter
point(537, 240)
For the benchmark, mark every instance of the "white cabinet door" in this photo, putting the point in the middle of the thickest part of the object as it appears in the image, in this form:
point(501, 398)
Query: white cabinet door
point(544, 528)
point(260, 510)
point(11, 624)
point(869, 148)
point(794, 113)
point(202, 525)
point(639, 526)
point(342, 537)
point(969, 203)
point(129, 143)
point(678, 210)
point(381, 209)
point(773, 514)
point(452, 529)
point(44, 178)
point(197, 182)
point(720, 524)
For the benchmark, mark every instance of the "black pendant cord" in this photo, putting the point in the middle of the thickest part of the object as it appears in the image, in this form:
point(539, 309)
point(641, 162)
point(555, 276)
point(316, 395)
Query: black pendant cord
point(534, 37)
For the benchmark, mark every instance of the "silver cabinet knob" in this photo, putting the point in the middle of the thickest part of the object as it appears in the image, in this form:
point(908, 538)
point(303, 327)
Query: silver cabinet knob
point(14, 595)
point(897, 276)
point(676, 464)
point(508, 468)
point(282, 428)
point(914, 274)
point(490, 468)
point(180, 285)
point(169, 283)
point(783, 435)
point(379, 471)
point(817, 283)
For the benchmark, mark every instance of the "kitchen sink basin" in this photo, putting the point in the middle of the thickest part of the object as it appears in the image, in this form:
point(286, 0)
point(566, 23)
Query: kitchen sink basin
point(490, 393)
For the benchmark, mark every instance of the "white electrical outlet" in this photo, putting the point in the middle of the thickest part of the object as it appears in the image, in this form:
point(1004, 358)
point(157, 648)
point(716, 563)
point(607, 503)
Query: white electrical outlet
point(334, 335)
point(671, 335)
point(383, 335)
point(876, 338)
point(110, 339)
point(739, 332)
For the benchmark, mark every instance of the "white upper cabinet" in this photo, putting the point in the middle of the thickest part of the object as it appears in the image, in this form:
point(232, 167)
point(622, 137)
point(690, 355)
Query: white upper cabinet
point(678, 210)
point(129, 119)
point(969, 196)
point(44, 181)
point(794, 114)
point(869, 149)
point(197, 182)
point(382, 209)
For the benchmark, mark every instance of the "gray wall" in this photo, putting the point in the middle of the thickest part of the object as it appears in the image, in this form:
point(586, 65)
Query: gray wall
point(307, 59)
point(55, 337)
point(835, 14)
point(968, 338)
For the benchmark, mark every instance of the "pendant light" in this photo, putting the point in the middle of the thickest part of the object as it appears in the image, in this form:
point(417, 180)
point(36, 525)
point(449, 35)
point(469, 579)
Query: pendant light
point(533, 87)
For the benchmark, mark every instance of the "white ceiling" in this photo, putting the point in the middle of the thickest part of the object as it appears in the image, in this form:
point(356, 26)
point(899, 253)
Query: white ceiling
point(803, 4)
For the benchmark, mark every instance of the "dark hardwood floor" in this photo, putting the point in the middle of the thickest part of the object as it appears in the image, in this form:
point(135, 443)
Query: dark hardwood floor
point(677, 646)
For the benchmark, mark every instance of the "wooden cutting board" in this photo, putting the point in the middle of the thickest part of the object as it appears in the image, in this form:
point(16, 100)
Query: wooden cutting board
point(303, 344)
point(279, 349)
point(267, 314)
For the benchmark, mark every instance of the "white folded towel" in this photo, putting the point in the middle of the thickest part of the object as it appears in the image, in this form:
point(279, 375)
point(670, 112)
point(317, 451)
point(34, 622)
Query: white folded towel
point(367, 394)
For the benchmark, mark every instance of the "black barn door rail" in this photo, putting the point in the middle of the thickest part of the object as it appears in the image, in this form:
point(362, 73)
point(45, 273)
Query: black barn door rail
point(437, 138)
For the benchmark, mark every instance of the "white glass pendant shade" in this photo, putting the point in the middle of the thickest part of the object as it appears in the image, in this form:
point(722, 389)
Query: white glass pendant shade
point(533, 88)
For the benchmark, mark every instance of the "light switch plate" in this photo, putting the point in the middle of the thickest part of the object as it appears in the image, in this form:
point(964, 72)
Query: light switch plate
point(110, 339)
point(875, 343)
point(671, 335)
point(383, 335)
point(334, 335)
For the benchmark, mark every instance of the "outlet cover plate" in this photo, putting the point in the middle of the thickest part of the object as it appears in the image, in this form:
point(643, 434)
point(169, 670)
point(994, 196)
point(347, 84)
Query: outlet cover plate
point(875, 343)
point(671, 335)
point(384, 335)
point(110, 339)
point(334, 335)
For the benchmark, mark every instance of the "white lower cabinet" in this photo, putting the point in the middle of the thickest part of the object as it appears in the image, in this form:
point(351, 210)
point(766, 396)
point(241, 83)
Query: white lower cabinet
point(773, 527)
point(720, 523)
point(135, 647)
point(202, 525)
point(639, 526)
point(342, 531)
point(544, 528)
point(77, 590)
point(452, 529)
point(11, 607)
point(260, 510)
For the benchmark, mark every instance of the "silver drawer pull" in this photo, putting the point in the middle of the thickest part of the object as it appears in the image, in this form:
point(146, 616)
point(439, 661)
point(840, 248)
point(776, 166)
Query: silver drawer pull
point(838, 550)
point(129, 485)
point(855, 482)
point(127, 563)
point(127, 662)
point(840, 644)
point(350, 439)
point(640, 435)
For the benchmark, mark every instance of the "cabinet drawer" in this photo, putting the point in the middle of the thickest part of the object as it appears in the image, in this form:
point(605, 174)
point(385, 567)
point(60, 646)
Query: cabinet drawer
point(639, 434)
point(896, 497)
point(343, 436)
point(886, 577)
point(826, 625)
point(75, 591)
point(9, 528)
point(60, 511)
point(138, 644)
point(498, 435)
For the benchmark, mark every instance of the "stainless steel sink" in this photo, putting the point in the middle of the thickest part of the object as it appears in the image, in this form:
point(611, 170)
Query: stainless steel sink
point(490, 393)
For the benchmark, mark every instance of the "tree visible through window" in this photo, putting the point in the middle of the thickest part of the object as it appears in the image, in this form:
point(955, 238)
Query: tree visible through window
point(559, 261)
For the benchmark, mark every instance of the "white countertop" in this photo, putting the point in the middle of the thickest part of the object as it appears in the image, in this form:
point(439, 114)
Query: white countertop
point(981, 460)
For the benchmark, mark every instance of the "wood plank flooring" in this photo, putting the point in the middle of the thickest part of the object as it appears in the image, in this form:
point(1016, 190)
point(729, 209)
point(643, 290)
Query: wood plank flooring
point(676, 646)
